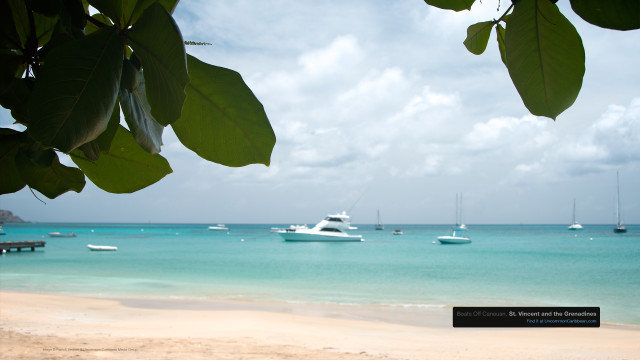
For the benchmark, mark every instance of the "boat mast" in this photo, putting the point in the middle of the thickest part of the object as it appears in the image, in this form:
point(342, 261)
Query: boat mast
point(618, 197)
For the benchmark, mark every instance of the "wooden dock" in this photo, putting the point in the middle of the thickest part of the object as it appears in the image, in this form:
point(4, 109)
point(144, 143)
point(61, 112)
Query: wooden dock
point(19, 245)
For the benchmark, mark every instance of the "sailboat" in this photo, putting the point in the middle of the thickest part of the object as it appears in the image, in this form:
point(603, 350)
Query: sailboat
point(459, 225)
point(574, 224)
point(379, 225)
point(619, 228)
point(454, 238)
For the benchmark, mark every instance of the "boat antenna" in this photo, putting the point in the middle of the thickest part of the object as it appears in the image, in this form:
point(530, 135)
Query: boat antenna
point(354, 204)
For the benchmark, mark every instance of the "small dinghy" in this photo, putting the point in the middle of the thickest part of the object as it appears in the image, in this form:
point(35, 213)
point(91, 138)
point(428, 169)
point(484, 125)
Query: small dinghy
point(102, 248)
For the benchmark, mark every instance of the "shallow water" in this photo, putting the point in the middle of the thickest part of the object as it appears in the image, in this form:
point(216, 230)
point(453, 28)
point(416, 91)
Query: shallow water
point(505, 265)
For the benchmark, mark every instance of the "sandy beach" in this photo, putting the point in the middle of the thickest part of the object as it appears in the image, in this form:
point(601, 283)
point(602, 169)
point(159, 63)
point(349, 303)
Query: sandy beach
point(37, 326)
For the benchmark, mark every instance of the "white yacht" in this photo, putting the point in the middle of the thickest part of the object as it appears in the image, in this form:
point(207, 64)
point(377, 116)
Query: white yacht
point(332, 228)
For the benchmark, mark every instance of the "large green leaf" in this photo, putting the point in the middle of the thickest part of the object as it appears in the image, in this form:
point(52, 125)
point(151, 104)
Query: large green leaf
point(158, 44)
point(10, 143)
point(9, 38)
point(500, 38)
point(478, 37)
point(15, 97)
point(102, 143)
point(456, 5)
point(610, 14)
point(44, 26)
point(545, 57)
point(136, 110)
point(20, 19)
point(125, 168)
point(222, 120)
point(76, 90)
point(52, 180)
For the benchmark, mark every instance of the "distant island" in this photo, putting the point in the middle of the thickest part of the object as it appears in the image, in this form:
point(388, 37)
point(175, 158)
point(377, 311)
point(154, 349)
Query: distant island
point(7, 216)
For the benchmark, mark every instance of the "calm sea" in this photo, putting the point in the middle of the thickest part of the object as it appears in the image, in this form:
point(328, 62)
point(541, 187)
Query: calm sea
point(504, 266)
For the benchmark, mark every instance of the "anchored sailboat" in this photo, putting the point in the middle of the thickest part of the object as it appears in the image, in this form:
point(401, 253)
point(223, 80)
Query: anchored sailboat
point(379, 225)
point(574, 224)
point(619, 228)
point(454, 238)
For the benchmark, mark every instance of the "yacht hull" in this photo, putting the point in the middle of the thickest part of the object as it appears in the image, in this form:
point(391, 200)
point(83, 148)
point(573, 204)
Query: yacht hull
point(453, 240)
point(311, 237)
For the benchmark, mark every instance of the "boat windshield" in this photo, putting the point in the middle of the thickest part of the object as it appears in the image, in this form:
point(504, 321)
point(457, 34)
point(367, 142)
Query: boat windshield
point(329, 218)
point(331, 229)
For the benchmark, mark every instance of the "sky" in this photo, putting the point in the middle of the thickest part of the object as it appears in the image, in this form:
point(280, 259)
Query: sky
point(377, 105)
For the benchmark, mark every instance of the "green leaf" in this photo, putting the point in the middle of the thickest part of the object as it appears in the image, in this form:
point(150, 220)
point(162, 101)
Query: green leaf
point(91, 27)
point(222, 120)
point(45, 7)
point(73, 17)
point(478, 37)
point(20, 19)
point(500, 38)
point(456, 5)
point(158, 44)
point(545, 57)
point(610, 14)
point(10, 143)
point(93, 148)
point(15, 97)
point(116, 10)
point(11, 67)
point(136, 110)
point(76, 91)
point(9, 38)
point(51, 180)
point(44, 26)
point(125, 168)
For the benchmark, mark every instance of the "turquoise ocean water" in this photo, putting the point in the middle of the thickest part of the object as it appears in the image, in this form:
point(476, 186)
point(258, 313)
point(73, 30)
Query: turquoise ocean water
point(506, 265)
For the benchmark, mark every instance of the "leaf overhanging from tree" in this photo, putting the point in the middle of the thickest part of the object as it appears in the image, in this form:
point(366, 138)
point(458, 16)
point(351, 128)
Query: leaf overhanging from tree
point(222, 120)
point(545, 57)
point(158, 44)
point(125, 168)
point(76, 91)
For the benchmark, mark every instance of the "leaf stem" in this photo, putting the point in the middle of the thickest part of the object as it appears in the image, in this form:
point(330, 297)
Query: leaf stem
point(495, 22)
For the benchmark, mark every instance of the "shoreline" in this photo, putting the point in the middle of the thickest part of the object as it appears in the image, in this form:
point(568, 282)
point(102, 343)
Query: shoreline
point(63, 326)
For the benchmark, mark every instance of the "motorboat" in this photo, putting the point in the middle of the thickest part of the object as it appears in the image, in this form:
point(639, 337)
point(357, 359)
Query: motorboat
point(331, 228)
point(219, 227)
point(397, 232)
point(59, 234)
point(454, 239)
point(102, 248)
point(574, 224)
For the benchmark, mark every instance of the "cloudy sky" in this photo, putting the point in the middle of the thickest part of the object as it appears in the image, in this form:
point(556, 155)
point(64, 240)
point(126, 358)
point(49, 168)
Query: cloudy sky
point(378, 105)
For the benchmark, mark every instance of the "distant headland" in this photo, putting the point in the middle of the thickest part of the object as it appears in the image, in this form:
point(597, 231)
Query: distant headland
point(7, 216)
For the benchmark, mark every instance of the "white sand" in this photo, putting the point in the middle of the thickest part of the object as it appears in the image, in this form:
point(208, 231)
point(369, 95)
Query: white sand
point(35, 326)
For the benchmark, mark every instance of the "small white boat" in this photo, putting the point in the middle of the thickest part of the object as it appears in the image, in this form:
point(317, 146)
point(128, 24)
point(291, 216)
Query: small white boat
point(2, 231)
point(102, 248)
point(454, 239)
point(397, 232)
point(59, 234)
point(219, 227)
point(574, 224)
point(331, 228)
